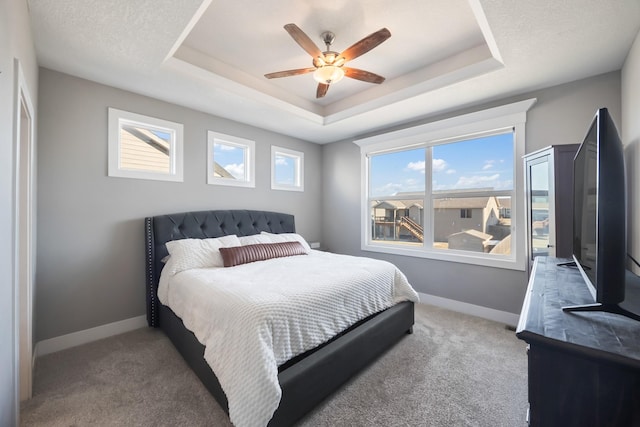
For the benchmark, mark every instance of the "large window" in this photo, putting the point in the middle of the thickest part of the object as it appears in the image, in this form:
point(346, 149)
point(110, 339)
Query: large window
point(448, 190)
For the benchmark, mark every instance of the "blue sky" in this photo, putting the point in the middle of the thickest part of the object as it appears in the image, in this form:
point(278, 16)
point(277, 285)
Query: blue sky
point(478, 163)
point(285, 170)
point(231, 158)
point(161, 134)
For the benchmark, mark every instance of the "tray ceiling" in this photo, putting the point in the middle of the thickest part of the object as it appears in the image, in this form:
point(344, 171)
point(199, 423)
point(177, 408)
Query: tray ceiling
point(443, 54)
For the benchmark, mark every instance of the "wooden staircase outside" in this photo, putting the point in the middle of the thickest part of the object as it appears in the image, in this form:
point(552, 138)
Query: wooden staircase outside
point(412, 227)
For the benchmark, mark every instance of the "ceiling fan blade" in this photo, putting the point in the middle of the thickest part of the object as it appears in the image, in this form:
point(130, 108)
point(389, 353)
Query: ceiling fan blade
point(322, 90)
point(303, 40)
point(288, 73)
point(366, 44)
point(365, 76)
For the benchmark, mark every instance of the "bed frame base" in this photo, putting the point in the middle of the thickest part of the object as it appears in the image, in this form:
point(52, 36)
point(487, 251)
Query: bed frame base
point(306, 383)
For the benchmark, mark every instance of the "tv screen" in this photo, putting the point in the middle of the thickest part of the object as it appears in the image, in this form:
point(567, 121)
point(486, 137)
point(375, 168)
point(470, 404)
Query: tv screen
point(585, 198)
point(599, 237)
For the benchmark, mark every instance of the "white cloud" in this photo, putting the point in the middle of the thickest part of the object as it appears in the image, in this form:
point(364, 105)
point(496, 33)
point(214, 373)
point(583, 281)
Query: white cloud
point(392, 188)
point(488, 164)
point(473, 181)
point(389, 188)
point(235, 169)
point(477, 181)
point(225, 147)
point(483, 181)
point(281, 161)
point(439, 165)
point(416, 166)
point(451, 171)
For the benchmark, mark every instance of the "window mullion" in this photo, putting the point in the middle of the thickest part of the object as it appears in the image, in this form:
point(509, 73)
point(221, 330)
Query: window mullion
point(428, 199)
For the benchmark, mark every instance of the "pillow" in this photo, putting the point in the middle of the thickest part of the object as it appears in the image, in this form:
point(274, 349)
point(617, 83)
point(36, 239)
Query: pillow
point(198, 253)
point(259, 252)
point(254, 239)
point(286, 237)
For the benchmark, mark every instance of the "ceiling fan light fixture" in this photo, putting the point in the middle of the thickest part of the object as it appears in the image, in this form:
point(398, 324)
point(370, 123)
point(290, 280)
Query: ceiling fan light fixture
point(328, 74)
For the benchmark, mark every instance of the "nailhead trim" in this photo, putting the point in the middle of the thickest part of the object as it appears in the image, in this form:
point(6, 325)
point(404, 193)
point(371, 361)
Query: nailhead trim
point(150, 282)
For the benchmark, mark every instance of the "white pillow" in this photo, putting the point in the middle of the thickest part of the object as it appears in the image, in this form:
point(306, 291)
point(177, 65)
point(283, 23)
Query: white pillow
point(254, 239)
point(198, 253)
point(286, 237)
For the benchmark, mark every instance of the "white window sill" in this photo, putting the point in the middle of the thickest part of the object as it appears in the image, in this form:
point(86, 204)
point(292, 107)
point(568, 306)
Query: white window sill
point(418, 251)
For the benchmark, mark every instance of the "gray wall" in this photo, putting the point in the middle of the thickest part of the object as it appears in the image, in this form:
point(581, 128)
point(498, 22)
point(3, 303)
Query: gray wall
point(631, 139)
point(90, 247)
point(90, 243)
point(15, 42)
point(561, 116)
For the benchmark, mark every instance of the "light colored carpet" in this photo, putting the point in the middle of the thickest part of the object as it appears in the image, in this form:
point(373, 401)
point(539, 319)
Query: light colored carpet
point(455, 370)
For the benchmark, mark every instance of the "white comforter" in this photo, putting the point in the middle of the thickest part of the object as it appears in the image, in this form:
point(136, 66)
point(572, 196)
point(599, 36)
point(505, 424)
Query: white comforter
point(254, 317)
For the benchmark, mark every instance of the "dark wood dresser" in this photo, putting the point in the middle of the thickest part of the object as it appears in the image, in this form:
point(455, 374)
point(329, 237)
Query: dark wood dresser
point(584, 368)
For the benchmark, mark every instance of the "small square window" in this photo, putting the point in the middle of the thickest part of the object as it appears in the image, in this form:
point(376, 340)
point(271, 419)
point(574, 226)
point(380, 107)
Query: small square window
point(465, 213)
point(230, 160)
point(144, 147)
point(287, 169)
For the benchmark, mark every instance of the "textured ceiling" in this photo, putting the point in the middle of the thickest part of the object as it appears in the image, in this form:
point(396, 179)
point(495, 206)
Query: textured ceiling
point(265, 46)
point(443, 54)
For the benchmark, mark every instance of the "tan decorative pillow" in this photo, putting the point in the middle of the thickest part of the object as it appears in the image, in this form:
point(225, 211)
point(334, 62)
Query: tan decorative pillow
point(259, 252)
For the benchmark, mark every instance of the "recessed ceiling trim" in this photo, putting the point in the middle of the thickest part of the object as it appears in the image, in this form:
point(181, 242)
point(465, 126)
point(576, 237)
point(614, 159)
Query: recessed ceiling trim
point(221, 83)
point(218, 68)
point(192, 22)
point(463, 66)
point(481, 19)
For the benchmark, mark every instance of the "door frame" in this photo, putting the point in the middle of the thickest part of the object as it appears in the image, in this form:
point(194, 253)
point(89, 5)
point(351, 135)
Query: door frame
point(24, 231)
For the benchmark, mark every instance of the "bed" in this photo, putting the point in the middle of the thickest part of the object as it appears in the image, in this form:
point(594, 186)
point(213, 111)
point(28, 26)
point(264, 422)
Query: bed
point(306, 379)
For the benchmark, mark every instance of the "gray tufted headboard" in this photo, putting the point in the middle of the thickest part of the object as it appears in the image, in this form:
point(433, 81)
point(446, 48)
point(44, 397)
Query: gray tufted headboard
point(201, 225)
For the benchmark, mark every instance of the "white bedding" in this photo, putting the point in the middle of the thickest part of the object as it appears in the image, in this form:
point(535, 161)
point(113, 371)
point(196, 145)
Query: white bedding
point(254, 317)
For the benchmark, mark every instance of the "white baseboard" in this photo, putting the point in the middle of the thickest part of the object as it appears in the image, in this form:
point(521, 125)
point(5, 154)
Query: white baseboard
point(63, 342)
point(505, 317)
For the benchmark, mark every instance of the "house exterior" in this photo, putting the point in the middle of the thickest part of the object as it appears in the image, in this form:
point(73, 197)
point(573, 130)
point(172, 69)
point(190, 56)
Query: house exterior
point(142, 149)
point(402, 220)
point(453, 215)
point(470, 240)
point(398, 220)
point(503, 247)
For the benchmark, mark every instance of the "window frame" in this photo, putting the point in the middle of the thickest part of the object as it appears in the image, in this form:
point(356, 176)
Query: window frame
point(119, 118)
point(472, 125)
point(249, 156)
point(298, 157)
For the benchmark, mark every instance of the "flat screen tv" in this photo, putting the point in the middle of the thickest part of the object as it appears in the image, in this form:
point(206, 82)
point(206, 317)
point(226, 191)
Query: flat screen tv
point(599, 216)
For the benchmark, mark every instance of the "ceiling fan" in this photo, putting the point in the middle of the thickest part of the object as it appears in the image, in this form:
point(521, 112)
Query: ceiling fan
point(328, 66)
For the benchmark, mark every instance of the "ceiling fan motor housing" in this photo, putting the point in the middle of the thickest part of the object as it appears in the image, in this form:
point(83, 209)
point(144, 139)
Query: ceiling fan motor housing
point(328, 57)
